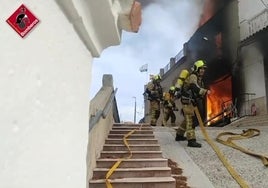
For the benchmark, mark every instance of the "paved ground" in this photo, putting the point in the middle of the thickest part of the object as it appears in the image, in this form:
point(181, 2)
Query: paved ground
point(203, 168)
point(175, 151)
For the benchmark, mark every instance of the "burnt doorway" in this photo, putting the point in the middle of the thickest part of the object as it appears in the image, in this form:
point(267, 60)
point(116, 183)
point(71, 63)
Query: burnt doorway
point(219, 102)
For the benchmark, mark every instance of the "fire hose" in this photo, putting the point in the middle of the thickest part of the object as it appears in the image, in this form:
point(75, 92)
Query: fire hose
point(230, 169)
point(246, 134)
point(234, 136)
point(117, 163)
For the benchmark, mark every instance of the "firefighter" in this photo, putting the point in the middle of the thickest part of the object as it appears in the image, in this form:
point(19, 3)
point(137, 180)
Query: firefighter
point(155, 95)
point(192, 90)
point(169, 106)
point(178, 86)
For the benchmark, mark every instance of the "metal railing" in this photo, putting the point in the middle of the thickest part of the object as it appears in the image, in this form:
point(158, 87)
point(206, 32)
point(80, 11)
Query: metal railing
point(177, 58)
point(103, 112)
point(253, 25)
point(246, 104)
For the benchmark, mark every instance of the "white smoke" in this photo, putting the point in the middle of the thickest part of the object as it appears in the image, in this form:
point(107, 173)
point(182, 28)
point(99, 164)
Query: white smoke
point(166, 26)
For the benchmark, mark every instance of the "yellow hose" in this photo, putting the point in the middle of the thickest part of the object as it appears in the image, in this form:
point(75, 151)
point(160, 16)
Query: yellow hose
point(246, 134)
point(231, 170)
point(117, 163)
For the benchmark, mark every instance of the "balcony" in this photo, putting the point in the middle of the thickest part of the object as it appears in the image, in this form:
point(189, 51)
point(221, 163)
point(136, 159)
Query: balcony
point(254, 25)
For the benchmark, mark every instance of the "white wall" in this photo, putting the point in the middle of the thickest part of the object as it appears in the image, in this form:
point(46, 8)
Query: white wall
point(253, 71)
point(252, 75)
point(248, 8)
point(252, 17)
point(44, 86)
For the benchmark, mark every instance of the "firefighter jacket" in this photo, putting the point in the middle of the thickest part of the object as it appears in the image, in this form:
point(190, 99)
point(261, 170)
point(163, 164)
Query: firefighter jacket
point(154, 91)
point(193, 89)
point(169, 101)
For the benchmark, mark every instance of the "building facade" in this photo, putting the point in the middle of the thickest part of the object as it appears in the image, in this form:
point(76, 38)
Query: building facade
point(233, 43)
point(252, 64)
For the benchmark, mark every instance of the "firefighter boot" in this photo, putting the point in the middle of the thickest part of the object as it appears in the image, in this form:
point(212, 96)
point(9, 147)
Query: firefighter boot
point(193, 143)
point(180, 137)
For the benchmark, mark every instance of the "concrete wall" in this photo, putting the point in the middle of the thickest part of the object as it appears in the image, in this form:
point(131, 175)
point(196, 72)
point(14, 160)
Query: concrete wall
point(99, 130)
point(253, 17)
point(252, 76)
point(252, 20)
point(231, 31)
point(249, 8)
point(45, 79)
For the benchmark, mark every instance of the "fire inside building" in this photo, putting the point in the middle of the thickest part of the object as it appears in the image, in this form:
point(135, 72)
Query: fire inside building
point(236, 70)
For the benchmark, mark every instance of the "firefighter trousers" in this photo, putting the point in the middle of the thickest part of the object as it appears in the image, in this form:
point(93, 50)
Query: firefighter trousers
point(187, 127)
point(154, 111)
point(169, 113)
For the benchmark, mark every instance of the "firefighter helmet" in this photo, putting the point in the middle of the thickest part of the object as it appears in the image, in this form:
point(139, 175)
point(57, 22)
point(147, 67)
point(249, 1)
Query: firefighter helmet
point(199, 64)
point(157, 77)
point(184, 73)
point(172, 89)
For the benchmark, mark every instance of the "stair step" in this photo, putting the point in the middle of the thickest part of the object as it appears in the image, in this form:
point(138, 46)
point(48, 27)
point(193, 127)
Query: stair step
point(130, 128)
point(145, 169)
point(120, 131)
point(133, 163)
point(140, 147)
point(147, 182)
point(131, 125)
point(131, 141)
point(100, 173)
point(144, 136)
point(258, 120)
point(135, 154)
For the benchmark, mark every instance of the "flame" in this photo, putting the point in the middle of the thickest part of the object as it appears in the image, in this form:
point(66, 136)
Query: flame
point(209, 10)
point(219, 100)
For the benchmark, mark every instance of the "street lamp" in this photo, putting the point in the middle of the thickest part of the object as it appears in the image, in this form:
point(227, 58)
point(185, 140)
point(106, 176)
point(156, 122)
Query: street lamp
point(135, 110)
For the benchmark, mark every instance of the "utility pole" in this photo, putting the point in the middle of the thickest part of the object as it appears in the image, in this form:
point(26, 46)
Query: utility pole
point(135, 105)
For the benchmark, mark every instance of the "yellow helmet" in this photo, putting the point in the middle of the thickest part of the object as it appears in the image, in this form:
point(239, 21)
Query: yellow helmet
point(157, 77)
point(199, 64)
point(184, 73)
point(172, 89)
point(179, 83)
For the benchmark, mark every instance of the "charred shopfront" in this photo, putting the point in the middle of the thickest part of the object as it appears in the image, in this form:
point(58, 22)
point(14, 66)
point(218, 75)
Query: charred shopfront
point(237, 67)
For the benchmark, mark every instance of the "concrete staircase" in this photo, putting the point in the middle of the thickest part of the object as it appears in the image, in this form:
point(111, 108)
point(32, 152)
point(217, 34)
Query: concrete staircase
point(258, 120)
point(145, 169)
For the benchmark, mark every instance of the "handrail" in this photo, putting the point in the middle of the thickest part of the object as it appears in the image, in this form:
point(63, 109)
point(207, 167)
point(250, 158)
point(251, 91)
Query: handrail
point(246, 99)
point(102, 113)
point(177, 58)
point(108, 104)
